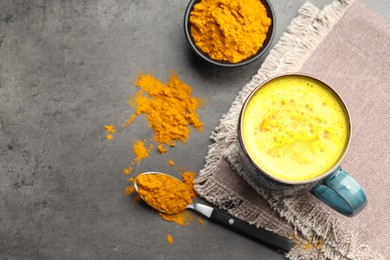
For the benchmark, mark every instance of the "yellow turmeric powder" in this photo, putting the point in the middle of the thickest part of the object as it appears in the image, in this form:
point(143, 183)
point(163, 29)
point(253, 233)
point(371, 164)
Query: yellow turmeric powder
point(188, 179)
point(169, 108)
point(168, 194)
point(163, 192)
point(129, 121)
point(110, 130)
point(229, 30)
point(182, 218)
point(140, 150)
point(169, 239)
point(161, 149)
point(129, 190)
point(137, 198)
point(311, 242)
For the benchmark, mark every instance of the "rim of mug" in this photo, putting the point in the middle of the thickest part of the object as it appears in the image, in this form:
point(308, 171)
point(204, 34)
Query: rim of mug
point(311, 180)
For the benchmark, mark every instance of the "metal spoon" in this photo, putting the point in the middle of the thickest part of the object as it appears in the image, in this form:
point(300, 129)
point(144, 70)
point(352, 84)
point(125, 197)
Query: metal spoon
point(263, 236)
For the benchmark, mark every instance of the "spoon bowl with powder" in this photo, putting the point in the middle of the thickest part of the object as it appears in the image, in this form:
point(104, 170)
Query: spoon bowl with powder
point(169, 195)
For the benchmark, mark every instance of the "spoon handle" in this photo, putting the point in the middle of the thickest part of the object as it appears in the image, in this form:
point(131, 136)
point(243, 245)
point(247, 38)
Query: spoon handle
point(263, 236)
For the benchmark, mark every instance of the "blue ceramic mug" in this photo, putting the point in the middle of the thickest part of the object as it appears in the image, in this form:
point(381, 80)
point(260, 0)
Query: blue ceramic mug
point(290, 125)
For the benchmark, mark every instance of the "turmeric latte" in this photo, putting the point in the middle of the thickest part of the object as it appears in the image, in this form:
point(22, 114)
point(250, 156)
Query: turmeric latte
point(229, 30)
point(294, 128)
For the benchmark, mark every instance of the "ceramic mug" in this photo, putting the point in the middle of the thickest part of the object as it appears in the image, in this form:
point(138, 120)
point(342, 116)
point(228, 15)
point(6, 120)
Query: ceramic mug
point(293, 133)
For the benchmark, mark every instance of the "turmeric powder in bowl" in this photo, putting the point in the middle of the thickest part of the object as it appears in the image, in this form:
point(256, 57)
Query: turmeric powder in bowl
point(229, 33)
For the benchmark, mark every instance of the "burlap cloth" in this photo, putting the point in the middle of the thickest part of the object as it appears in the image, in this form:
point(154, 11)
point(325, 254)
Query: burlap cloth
point(346, 45)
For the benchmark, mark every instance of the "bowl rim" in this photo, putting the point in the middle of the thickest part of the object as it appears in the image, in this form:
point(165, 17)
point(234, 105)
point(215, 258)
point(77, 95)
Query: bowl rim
point(268, 40)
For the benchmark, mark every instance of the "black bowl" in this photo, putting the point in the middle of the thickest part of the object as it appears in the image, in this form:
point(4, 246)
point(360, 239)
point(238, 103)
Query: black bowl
point(206, 57)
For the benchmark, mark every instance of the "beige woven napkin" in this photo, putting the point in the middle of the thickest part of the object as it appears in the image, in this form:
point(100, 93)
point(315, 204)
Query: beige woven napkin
point(346, 45)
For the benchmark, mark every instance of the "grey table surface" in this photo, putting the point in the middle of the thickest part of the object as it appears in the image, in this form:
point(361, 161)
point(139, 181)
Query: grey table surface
point(66, 69)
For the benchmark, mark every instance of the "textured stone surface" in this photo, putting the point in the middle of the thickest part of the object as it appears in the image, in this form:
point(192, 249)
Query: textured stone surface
point(66, 69)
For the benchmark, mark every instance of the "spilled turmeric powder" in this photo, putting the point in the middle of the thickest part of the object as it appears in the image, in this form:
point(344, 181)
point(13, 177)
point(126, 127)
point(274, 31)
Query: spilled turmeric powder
point(161, 149)
point(129, 190)
point(140, 150)
point(137, 198)
point(110, 130)
point(229, 30)
point(200, 221)
point(169, 239)
point(182, 218)
point(311, 242)
point(129, 121)
point(169, 108)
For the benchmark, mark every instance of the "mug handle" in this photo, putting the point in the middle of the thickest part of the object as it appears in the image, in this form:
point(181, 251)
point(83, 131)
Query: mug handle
point(341, 192)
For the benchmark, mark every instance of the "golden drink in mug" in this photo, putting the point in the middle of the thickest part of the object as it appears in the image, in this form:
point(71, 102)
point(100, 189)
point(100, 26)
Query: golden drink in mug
point(294, 131)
